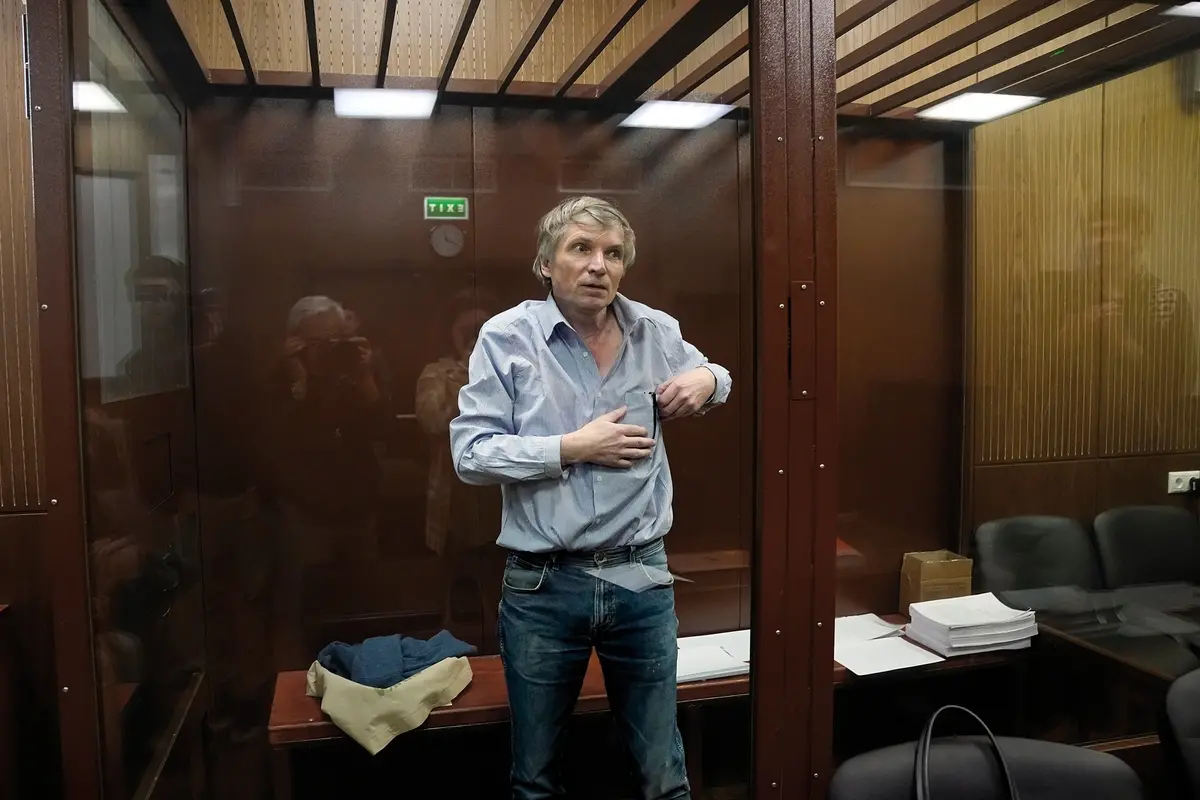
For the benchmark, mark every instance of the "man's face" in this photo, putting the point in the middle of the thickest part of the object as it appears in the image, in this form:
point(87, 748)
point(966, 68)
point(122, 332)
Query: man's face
point(587, 267)
point(321, 333)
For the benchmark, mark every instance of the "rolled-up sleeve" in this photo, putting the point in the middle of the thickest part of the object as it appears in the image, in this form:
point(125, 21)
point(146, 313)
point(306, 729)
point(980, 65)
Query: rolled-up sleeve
point(687, 357)
point(483, 444)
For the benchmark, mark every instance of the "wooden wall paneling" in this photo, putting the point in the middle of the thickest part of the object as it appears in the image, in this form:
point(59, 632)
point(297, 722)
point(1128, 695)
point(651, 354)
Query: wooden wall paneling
point(275, 35)
point(733, 75)
point(1151, 265)
point(1035, 283)
point(207, 30)
point(900, 308)
point(349, 36)
point(1061, 488)
point(1141, 480)
point(21, 452)
point(748, 453)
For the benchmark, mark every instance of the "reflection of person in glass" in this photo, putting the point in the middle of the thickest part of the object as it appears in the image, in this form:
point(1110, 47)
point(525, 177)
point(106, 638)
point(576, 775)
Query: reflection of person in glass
point(1147, 330)
point(562, 408)
point(325, 412)
point(159, 292)
point(452, 525)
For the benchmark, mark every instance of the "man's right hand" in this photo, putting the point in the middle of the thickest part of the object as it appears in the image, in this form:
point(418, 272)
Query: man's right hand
point(605, 441)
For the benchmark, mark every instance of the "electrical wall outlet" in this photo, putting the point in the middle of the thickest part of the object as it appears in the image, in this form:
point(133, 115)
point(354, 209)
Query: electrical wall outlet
point(1181, 482)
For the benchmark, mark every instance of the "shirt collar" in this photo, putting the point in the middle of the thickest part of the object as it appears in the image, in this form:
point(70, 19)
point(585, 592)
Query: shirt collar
point(549, 316)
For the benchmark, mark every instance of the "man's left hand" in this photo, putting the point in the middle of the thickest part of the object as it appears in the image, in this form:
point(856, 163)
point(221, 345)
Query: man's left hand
point(685, 394)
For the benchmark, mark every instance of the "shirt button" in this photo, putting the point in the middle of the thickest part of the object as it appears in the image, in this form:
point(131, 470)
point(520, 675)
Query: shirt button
point(599, 479)
point(585, 355)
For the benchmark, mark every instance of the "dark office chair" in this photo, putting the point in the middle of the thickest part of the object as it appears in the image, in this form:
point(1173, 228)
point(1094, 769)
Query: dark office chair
point(1021, 553)
point(964, 767)
point(1148, 544)
point(1182, 733)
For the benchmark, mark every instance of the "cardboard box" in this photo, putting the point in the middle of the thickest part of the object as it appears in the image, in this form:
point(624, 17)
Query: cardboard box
point(933, 575)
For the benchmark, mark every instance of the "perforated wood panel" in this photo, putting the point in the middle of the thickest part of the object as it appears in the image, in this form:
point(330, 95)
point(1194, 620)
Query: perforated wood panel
point(203, 23)
point(1149, 377)
point(20, 434)
point(1086, 275)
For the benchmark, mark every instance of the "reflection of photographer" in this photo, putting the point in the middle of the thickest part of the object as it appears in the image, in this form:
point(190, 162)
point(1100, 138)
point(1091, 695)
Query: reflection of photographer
point(325, 413)
point(158, 291)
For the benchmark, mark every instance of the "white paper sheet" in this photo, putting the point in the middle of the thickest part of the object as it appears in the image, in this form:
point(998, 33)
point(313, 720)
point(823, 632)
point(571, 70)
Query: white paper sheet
point(882, 655)
point(969, 611)
point(736, 643)
point(635, 577)
point(862, 628)
point(705, 662)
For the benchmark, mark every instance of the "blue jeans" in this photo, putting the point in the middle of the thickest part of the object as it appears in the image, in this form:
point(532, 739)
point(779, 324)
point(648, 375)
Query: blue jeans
point(551, 616)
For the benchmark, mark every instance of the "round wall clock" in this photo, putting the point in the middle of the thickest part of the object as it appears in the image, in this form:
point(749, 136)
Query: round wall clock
point(447, 240)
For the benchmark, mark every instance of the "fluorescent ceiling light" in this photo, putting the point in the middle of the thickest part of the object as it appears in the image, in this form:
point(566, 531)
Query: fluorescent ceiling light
point(675, 115)
point(93, 98)
point(1185, 10)
point(384, 103)
point(979, 107)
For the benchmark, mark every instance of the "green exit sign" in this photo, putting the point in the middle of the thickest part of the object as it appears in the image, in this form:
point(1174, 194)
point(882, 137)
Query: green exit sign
point(446, 208)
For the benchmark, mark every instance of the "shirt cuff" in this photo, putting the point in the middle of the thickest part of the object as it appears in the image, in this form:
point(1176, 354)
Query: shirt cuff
point(552, 456)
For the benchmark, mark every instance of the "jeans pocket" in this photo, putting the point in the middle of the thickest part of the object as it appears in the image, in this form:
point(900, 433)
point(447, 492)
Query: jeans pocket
point(654, 565)
point(522, 576)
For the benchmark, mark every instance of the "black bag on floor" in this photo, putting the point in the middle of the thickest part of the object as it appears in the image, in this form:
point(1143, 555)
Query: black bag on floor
point(921, 762)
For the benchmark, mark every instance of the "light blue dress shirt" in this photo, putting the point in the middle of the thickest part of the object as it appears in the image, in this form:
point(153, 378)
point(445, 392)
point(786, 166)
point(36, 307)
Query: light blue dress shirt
point(532, 379)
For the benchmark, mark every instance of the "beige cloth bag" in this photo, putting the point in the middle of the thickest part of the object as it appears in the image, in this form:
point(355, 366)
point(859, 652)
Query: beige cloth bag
point(373, 717)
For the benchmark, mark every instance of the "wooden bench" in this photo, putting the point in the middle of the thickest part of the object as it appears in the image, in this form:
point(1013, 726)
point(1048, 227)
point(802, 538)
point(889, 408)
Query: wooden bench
point(297, 719)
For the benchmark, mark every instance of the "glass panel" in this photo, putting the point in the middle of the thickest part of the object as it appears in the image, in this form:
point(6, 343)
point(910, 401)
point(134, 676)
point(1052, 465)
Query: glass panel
point(139, 455)
point(345, 268)
point(1018, 357)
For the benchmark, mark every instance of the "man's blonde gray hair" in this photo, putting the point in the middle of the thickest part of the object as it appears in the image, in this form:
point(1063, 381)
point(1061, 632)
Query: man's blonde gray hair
point(590, 212)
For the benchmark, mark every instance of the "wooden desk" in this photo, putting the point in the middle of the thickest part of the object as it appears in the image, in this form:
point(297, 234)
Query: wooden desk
point(297, 719)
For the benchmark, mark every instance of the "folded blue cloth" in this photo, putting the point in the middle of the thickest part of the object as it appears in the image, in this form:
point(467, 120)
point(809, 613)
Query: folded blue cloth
point(384, 661)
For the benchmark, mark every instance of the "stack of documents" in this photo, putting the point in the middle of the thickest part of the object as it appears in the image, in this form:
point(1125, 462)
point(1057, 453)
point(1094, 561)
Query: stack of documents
point(868, 645)
point(717, 655)
point(978, 623)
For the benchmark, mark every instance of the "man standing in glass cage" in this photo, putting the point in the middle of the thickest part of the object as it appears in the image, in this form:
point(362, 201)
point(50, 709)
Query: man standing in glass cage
point(563, 407)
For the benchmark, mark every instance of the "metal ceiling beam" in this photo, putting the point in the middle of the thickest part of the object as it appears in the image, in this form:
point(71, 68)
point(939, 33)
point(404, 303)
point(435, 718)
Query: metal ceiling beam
point(996, 21)
point(1072, 20)
point(857, 14)
point(688, 26)
point(537, 26)
point(239, 41)
point(1156, 44)
point(724, 57)
point(385, 42)
point(735, 92)
point(310, 26)
point(894, 37)
point(608, 31)
point(465, 17)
